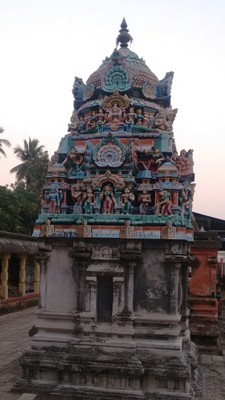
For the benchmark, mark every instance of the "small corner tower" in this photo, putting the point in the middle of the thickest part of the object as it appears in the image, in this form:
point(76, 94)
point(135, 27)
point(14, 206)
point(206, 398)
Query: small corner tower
point(115, 234)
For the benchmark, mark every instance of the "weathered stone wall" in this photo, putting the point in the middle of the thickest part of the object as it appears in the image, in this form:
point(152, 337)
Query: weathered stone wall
point(143, 351)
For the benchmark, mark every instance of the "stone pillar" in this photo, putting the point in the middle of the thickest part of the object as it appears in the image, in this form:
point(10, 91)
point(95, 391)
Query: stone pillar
point(44, 283)
point(22, 275)
point(116, 294)
point(82, 286)
point(185, 268)
point(174, 265)
point(93, 291)
point(129, 288)
point(4, 275)
point(183, 301)
point(37, 277)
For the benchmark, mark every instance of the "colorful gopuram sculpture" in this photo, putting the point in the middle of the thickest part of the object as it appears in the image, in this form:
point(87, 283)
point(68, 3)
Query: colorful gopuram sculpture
point(119, 161)
point(114, 238)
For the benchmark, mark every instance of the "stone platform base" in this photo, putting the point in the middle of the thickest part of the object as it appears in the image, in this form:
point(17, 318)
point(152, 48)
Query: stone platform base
point(94, 374)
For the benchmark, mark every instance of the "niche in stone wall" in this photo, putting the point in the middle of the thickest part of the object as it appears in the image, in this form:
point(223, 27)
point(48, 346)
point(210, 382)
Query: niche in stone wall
point(13, 276)
point(104, 298)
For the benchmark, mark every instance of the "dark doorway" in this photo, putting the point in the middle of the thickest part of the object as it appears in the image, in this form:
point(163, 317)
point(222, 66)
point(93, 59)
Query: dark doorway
point(104, 298)
point(13, 276)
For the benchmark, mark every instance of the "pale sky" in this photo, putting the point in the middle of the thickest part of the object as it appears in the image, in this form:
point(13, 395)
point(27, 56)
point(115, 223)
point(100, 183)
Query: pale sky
point(45, 44)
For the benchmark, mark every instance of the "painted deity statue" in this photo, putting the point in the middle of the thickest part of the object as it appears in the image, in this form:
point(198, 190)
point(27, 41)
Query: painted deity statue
point(157, 159)
point(144, 199)
point(184, 162)
point(164, 119)
point(78, 198)
point(129, 119)
point(115, 117)
point(146, 159)
point(101, 120)
point(89, 202)
point(126, 201)
point(78, 92)
point(74, 163)
point(108, 201)
point(92, 120)
point(139, 117)
point(54, 198)
point(164, 206)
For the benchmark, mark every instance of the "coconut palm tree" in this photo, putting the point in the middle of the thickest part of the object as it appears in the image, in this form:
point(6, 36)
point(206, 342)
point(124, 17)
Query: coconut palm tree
point(3, 142)
point(30, 155)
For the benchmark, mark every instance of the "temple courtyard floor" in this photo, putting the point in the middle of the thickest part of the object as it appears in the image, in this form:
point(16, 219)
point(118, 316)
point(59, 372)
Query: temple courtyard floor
point(14, 339)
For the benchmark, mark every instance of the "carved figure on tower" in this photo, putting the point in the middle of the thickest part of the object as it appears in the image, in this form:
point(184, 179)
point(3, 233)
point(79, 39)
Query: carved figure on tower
point(78, 198)
point(89, 202)
point(54, 199)
point(74, 163)
point(144, 199)
point(164, 120)
point(108, 200)
point(126, 201)
point(78, 92)
point(164, 206)
point(164, 86)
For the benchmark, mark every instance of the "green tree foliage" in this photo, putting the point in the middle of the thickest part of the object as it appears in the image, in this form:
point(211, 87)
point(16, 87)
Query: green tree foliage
point(18, 209)
point(3, 142)
point(20, 203)
point(10, 219)
point(32, 169)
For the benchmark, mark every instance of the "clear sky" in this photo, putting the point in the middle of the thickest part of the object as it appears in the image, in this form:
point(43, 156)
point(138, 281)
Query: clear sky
point(45, 44)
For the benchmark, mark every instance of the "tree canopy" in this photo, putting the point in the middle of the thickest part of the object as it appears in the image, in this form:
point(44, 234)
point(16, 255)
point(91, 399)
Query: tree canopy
point(3, 142)
point(32, 169)
point(20, 203)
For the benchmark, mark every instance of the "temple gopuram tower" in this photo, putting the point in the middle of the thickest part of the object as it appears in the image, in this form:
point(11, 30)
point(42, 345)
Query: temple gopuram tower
point(114, 239)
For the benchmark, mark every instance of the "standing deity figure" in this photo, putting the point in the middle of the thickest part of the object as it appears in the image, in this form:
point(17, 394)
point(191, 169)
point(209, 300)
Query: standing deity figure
point(129, 119)
point(54, 198)
point(144, 199)
point(126, 201)
point(101, 120)
point(81, 124)
point(108, 200)
point(188, 210)
point(139, 117)
point(164, 207)
point(78, 199)
point(89, 202)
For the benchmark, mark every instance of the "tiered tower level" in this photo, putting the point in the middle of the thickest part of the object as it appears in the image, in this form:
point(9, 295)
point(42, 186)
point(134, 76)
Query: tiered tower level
point(114, 240)
point(117, 173)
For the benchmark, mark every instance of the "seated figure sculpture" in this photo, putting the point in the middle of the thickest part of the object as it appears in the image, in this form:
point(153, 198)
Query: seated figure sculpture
point(74, 162)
